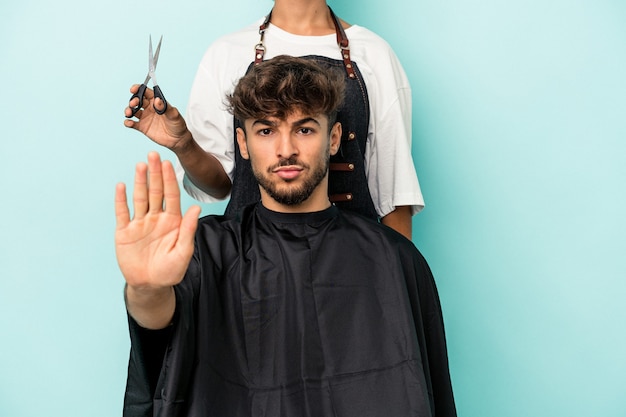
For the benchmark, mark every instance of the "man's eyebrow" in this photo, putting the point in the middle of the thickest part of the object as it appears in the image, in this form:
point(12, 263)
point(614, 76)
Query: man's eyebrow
point(300, 122)
point(264, 122)
point(305, 121)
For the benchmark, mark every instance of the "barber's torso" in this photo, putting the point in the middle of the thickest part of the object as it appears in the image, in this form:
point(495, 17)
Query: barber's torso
point(378, 93)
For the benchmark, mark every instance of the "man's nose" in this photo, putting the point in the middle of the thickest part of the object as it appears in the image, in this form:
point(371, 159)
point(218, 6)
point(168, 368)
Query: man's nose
point(286, 146)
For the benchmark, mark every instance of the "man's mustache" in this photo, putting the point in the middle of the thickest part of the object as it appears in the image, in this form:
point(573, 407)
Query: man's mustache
point(284, 162)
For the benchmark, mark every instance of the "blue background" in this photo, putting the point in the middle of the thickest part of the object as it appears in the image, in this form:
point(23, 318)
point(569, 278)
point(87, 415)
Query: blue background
point(520, 146)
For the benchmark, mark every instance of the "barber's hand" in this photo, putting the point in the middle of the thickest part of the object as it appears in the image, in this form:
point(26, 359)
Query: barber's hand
point(155, 246)
point(168, 129)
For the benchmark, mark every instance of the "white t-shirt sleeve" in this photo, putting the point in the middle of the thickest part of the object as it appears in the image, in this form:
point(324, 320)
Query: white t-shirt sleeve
point(207, 117)
point(389, 166)
point(208, 127)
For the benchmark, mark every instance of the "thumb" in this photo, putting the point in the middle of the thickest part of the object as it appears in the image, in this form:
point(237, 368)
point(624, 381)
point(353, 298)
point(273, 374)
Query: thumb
point(188, 226)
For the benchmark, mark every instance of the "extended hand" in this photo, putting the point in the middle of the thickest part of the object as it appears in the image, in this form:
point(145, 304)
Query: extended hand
point(155, 247)
point(168, 129)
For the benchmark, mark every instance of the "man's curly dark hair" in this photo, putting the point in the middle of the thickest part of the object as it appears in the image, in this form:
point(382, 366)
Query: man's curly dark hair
point(284, 84)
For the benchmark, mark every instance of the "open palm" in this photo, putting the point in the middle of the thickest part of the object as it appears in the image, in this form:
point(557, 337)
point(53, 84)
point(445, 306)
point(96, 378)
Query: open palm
point(154, 247)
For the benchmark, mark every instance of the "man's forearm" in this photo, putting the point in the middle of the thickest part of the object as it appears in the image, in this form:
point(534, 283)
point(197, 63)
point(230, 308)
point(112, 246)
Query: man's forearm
point(151, 308)
point(203, 169)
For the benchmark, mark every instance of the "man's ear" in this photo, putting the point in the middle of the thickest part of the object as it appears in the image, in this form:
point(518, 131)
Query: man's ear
point(243, 145)
point(335, 138)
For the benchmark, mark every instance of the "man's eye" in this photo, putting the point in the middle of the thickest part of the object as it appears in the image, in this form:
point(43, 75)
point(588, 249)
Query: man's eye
point(306, 131)
point(265, 132)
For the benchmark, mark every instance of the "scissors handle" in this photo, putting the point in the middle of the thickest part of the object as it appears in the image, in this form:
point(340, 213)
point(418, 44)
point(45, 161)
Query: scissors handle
point(158, 93)
point(139, 94)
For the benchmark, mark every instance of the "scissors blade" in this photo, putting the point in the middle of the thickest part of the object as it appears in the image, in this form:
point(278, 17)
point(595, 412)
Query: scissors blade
point(154, 59)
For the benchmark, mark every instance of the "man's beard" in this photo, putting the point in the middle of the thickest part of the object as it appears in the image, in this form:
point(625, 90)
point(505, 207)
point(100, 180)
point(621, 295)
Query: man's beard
point(294, 195)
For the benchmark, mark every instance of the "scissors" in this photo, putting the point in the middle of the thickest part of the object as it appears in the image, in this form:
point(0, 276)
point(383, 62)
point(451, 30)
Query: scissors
point(152, 63)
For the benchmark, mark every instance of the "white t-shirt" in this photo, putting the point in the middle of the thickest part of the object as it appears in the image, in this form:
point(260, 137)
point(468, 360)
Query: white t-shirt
point(389, 168)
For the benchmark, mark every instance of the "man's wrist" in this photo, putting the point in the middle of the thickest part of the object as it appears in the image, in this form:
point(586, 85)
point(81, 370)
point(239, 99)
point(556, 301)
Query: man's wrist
point(150, 308)
point(146, 296)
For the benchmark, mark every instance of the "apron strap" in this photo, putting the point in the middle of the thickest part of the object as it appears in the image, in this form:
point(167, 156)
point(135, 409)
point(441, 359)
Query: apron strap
point(259, 48)
point(342, 42)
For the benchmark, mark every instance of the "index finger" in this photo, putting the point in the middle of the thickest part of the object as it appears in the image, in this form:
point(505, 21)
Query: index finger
point(171, 190)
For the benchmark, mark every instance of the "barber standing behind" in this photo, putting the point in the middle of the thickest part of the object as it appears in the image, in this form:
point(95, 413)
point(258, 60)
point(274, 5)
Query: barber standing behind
point(373, 172)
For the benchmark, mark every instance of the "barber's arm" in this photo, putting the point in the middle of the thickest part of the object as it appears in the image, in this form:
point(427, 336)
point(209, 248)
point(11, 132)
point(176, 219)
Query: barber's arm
point(400, 220)
point(154, 247)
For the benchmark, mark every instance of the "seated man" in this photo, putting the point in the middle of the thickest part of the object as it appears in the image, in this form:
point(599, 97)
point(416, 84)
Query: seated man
point(290, 309)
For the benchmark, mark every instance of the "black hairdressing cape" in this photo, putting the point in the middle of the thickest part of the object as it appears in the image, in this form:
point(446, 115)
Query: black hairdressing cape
point(296, 315)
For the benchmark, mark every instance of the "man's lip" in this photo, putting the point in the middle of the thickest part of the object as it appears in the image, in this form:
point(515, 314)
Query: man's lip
point(288, 172)
point(288, 168)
